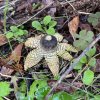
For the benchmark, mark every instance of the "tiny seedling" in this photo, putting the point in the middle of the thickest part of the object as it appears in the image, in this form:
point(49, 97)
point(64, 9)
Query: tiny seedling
point(94, 19)
point(46, 25)
point(16, 33)
point(89, 61)
point(36, 5)
point(83, 39)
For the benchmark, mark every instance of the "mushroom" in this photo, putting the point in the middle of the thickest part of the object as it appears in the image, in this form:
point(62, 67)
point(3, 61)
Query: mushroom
point(48, 47)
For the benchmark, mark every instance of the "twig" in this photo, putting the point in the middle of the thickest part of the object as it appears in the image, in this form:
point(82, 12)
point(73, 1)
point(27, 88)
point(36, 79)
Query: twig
point(12, 3)
point(36, 14)
point(80, 73)
point(6, 98)
point(8, 76)
point(73, 65)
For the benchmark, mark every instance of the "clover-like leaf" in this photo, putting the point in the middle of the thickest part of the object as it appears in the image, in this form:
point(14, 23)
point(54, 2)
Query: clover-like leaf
point(50, 31)
point(37, 25)
point(97, 14)
point(52, 23)
point(20, 32)
point(91, 52)
point(25, 31)
point(78, 66)
point(92, 62)
point(88, 77)
point(84, 39)
point(47, 20)
point(80, 44)
point(14, 28)
point(83, 59)
point(9, 35)
point(4, 89)
point(94, 18)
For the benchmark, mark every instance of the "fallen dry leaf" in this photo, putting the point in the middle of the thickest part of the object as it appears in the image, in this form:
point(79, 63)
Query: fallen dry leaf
point(73, 26)
point(6, 71)
point(61, 87)
point(3, 39)
point(97, 68)
point(5, 67)
point(16, 54)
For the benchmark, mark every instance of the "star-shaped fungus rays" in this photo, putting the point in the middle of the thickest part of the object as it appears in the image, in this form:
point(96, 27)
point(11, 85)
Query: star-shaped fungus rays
point(48, 47)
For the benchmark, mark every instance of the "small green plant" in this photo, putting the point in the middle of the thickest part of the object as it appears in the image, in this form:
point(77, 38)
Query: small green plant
point(83, 39)
point(16, 33)
point(88, 77)
point(38, 90)
point(4, 89)
point(89, 61)
point(94, 18)
point(82, 95)
point(36, 5)
point(46, 25)
point(61, 96)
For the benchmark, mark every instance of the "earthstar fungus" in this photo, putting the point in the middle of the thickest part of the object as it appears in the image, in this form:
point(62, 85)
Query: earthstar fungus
point(48, 47)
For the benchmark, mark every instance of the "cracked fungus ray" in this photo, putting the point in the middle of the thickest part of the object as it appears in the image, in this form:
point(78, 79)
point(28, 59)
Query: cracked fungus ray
point(49, 49)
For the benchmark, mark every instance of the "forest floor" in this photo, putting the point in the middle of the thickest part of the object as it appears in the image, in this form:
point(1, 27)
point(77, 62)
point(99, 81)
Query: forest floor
point(78, 75)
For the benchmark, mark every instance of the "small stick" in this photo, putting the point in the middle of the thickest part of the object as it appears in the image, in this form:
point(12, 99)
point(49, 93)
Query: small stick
point(36, 14)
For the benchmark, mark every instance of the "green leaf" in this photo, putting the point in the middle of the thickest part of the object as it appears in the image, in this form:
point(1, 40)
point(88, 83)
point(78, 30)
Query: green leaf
point(88, 77)
point(89, 36)
point(37, 25)
point(95, 22)
point(98, 14)
point(97, 97)
point(14, 28)
point(50, 31)
point(47, 20)
point(16, 34)
point(52, 23)
point(9, 35)
point(36, 85)
point(94, 18)
point(78, 66)
point(91, 18)
point(78, 94)
point(20, 32)
point(23, 87)
point(41, 93)
point(91, 52)
point(80, 44)
point(84, 39)
point(4, 89)
point(92, 62)
point(21, 96)
point(1, 98)
point(83, 59)
point(61, 96)
point(25, 31)
point(82, 33)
